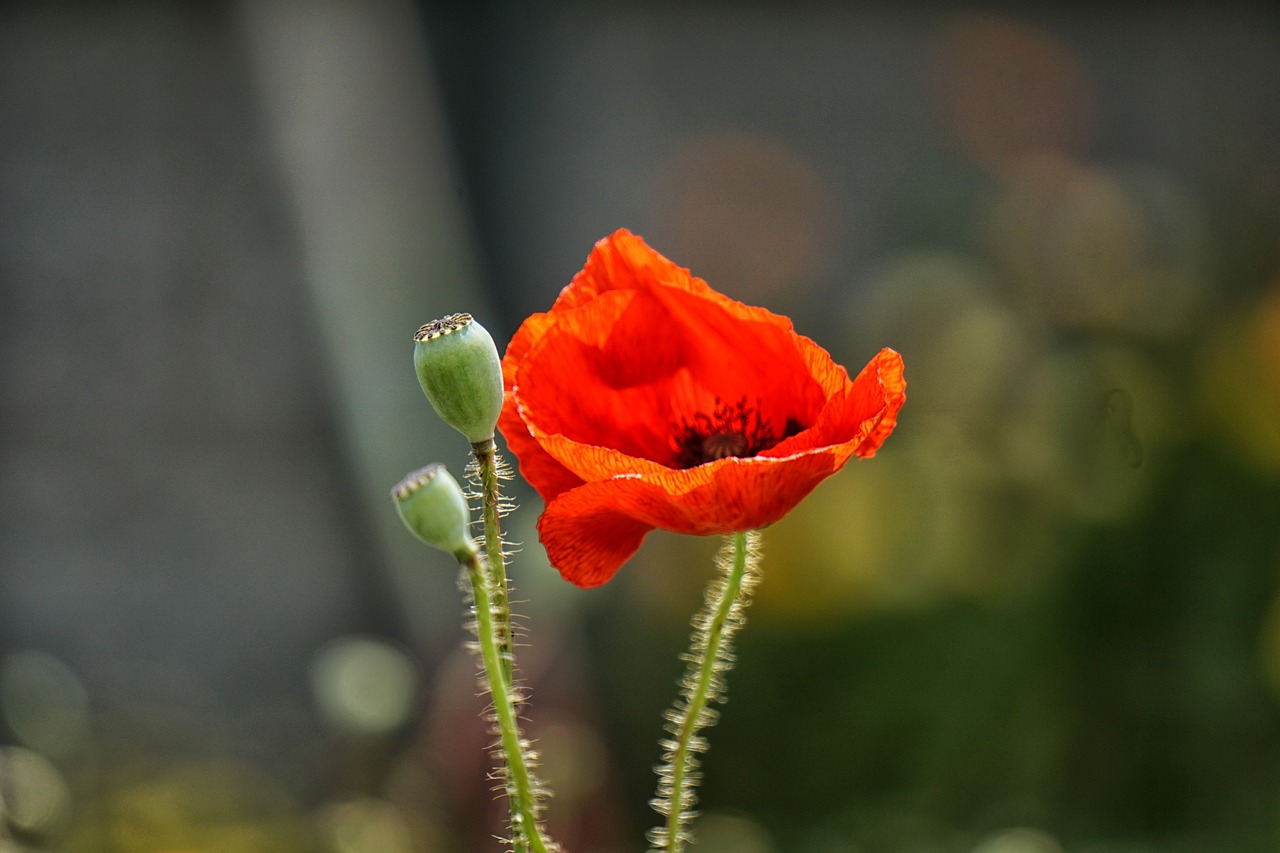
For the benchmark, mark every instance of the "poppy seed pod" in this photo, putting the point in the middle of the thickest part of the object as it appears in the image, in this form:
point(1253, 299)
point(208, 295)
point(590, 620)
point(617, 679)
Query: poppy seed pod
point(459, 371)
point(431, 505)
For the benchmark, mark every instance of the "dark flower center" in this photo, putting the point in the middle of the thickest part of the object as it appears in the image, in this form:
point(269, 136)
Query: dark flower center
point(732, 429)
point(722, 444)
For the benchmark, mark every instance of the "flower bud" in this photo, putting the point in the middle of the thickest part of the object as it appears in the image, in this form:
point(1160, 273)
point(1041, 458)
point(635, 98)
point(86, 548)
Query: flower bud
point(431, 505)
point(461, 374)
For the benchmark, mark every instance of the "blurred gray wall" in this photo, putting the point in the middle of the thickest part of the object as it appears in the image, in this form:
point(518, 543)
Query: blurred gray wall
point(221, 225)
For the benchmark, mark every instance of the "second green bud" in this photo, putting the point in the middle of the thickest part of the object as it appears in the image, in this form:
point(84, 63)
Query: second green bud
point(432, 506)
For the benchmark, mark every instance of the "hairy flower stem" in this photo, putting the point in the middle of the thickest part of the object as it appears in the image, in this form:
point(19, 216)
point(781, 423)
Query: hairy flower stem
point(487, 464)
point(486, 458)
point(521, 787)
point(710, 656)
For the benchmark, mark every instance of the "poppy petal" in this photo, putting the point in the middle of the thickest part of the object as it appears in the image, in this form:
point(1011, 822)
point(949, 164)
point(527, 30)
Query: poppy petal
point(642, 365)
point(645, 399)
point(617, 394)
point(591, 530)
point(538, 468)
point(869, 405)
point(586, 539)
point(881, 383)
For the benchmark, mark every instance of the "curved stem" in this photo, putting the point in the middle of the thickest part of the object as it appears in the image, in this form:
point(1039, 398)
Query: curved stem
point(521, 789)
point(710, 657)
point(487, 464)
point(486, 457)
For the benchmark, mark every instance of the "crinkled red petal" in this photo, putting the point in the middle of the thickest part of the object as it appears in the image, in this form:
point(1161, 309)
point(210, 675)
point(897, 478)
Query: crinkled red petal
point(721, 497)
point(538, 468)
point(597, 387)
point(646, 359)
point(863, 411)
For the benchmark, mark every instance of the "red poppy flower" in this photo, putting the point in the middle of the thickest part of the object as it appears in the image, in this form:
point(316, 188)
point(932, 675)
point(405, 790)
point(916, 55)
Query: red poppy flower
point(645, 399)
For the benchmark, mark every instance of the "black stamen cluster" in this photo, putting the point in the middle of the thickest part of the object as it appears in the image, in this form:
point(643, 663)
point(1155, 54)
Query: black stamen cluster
point(732, 429)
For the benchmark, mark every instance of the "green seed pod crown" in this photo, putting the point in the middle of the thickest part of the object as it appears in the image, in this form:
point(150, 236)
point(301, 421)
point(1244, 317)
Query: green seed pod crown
point(431, 505)
point(461, 374)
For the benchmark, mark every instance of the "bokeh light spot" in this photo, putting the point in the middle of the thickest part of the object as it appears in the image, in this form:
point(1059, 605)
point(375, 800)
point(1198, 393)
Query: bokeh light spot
point(43, 702)
point(720, 832)
point(33, 795)
point(366, 825)
point(1006, 87)
point(572, 759)
point(1020, 840)
point(747, 213)
point(1238, 386)
point(364, 686)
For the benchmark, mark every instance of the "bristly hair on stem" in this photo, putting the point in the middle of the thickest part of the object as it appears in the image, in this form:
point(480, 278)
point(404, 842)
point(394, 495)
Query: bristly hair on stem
point(513, 753)
point(484, 475)
point(710, 657)
point(485, 472)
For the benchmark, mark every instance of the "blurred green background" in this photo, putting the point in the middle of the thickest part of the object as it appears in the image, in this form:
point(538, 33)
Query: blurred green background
point(1042, 619)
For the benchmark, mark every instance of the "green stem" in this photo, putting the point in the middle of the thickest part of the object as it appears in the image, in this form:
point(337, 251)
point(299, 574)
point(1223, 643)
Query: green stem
point(486, 456)
point(710, 656)
point(522, 791)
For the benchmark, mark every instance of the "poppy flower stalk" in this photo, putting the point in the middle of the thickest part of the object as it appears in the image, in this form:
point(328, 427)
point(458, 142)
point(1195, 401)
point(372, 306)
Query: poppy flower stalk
point(487, 469)
point(458, 368)
point(710, 658)
point(522, 787)
point(432, 506)
point(460, 373)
